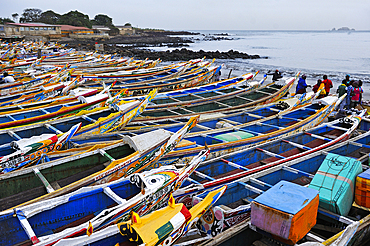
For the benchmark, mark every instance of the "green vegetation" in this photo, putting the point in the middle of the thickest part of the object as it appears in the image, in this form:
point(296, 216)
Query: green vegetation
point(4, 20)
point(74, 18)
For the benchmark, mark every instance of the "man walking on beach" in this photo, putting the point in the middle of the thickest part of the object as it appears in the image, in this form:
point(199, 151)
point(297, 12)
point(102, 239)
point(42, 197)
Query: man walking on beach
point(328, 84)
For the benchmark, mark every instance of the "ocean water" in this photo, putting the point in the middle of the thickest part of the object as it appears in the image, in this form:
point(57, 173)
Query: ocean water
point(314, 53)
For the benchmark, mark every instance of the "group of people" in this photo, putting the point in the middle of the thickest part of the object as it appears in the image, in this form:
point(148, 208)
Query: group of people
point(351, 87)
point(354, 92)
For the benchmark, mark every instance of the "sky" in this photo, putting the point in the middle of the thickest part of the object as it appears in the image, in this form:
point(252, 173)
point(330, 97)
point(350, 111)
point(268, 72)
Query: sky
point(214, 14)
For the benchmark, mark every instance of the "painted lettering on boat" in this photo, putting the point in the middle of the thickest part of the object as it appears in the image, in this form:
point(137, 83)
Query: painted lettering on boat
point(13, 163)
point(112, 170)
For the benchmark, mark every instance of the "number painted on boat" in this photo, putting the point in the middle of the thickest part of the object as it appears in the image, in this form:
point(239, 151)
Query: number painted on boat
point(12, 163)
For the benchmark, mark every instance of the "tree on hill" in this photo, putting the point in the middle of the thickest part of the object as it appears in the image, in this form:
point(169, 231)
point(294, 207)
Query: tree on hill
point(49, 17)
point(103, 20)
point(75, 18)
point(15, 16)
point(5, 20)
point(30, 15)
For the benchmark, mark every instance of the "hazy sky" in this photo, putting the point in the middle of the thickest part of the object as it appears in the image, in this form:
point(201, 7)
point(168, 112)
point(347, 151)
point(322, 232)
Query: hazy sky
point(214, 14)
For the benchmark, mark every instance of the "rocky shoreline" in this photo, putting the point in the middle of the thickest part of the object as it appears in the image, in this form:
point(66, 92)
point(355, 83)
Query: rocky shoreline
point(138, 46)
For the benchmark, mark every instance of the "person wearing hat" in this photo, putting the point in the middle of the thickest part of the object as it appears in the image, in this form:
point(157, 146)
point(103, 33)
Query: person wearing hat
point(301, 85)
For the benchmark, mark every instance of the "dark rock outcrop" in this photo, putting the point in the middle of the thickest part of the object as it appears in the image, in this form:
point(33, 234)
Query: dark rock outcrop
point(137, 46)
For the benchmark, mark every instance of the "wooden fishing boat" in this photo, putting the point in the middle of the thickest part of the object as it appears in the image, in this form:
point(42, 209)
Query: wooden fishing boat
point(229, 102)
point(28, 82)
point(235, 209)
point(182, 72)
point(154, 71)
point(152, 187)
point(228, 133)
point(161, 227)
point(113, 202)
point(71, 97)
point(33, 116)
point(181, 82)
point(105, 122)
point(113, 65)
point(25, 152)
point(46, 91)
point(246, 130)
point(206, 93)
point(96, 166)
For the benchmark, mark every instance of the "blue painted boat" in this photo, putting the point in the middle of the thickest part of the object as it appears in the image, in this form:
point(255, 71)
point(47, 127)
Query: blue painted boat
point(98, 165)
point(247, 130)
point(161, 227)
point(26, 152)
point(46, 222)
point(206, 93)
point(235, 206)
point(93, 121)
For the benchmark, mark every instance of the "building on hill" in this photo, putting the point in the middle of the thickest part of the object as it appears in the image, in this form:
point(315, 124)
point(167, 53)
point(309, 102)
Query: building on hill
point(125, 29)
point(102, 30)
point(46, 31)
point(68, 31)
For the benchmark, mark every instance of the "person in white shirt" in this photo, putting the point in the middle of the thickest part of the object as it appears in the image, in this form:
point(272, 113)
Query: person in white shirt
point(8, 78)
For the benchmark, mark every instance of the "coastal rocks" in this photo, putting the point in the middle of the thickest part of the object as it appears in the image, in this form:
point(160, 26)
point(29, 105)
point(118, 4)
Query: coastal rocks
point(180, 54)
point(137, 46)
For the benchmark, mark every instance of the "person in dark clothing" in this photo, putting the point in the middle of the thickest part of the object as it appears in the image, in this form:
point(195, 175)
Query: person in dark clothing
point(301, 85)
point(342, 89)
point(276, 75)
point(346, 80)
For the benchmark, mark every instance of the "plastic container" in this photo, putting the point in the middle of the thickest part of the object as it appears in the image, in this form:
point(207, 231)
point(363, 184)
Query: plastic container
point(362, 191)
point(288, 211)
point(335, 181)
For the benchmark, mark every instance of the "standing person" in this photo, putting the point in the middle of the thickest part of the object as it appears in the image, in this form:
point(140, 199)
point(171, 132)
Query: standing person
point(218, 76)
point(348, 97)
point(276, 75)
point(342, 89)
point(360, 85)
point(328, 84)
point(301, 85)
point(355, 94)
point(346, 80)
point(319, 86)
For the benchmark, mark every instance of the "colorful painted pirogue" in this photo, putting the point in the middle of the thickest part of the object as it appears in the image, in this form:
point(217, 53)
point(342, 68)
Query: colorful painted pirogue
point(222, 101)
point(27, 151)
point(136, 74)
point(48, 90)
point(26, 118)
point(162, 227)
point(113, 202)
point(96, 166)
point(243, 171)
point(95, 121)
point(214, 91)
point(344, 158)
point(227, 133)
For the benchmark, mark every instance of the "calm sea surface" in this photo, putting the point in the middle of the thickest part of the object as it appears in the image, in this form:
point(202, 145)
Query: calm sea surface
point(312, 52)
